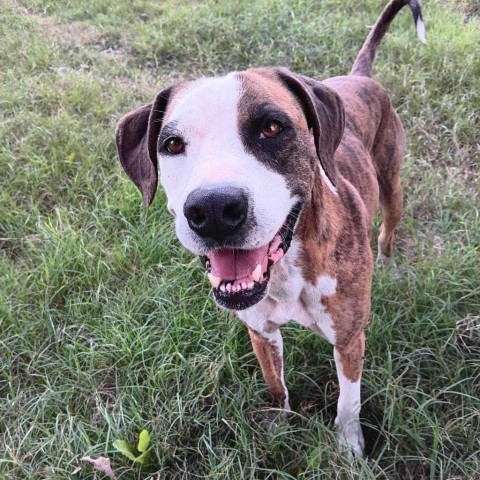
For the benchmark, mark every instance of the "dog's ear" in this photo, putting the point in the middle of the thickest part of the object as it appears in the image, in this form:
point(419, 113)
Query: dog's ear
point(325, 115)
point(136, 136)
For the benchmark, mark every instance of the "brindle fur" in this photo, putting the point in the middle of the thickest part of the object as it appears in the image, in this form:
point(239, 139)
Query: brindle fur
point(271, 363)
point(335, 229)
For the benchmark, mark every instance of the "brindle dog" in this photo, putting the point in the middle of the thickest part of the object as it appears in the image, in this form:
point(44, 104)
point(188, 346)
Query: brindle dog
point(274, 179)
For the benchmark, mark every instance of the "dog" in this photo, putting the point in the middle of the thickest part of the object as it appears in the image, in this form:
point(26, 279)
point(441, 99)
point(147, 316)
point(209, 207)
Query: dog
point(274, 179)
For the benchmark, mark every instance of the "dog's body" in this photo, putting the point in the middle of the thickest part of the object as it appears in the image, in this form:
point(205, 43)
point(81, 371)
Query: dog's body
point(274, 180)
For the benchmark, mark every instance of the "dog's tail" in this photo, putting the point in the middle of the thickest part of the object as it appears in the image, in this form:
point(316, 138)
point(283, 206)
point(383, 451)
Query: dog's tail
point(364, 61)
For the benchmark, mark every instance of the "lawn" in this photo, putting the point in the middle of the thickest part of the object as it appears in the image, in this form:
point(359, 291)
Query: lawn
point(107, 325)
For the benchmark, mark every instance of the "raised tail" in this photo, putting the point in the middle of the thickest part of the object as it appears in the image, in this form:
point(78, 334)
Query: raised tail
point(364, 61)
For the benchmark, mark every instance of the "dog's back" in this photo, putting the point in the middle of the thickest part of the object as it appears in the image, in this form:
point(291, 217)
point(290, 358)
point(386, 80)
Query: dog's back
point(373, 145)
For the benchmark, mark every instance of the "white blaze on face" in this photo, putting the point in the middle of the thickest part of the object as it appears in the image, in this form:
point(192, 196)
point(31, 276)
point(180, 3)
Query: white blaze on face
point(206, 117)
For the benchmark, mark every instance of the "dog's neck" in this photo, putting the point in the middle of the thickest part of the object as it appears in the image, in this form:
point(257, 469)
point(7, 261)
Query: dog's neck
point(318, 231)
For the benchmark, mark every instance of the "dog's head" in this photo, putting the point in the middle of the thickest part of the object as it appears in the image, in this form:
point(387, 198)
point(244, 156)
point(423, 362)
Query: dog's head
point(239, 157)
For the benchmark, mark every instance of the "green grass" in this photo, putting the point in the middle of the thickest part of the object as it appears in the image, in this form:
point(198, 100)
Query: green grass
point(106, 323)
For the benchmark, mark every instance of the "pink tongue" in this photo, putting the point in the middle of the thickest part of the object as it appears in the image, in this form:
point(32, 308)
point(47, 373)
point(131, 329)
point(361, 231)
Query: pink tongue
point(230, 264)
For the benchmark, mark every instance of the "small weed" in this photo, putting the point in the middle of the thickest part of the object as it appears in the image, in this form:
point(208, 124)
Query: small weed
point(136, 454)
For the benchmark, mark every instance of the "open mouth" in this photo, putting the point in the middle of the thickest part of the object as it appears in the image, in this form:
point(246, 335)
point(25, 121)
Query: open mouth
point(240, 277)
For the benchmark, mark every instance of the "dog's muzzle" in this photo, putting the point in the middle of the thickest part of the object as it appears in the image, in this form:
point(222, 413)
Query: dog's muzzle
point(239, 277)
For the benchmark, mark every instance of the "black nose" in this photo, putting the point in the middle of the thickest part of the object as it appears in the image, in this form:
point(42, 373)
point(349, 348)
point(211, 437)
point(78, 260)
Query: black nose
point(216, 212)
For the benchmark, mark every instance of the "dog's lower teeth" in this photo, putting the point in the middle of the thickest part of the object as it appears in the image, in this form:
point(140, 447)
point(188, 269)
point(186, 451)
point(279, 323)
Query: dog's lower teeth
point(236, 286)
point(233, 287)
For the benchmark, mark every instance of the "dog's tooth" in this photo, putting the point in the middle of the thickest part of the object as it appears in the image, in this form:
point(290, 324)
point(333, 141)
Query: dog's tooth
point(214, 280)
point(244, 285)
point(222, 287)
point(257, 273)
point(250, 285)
point(228, 287)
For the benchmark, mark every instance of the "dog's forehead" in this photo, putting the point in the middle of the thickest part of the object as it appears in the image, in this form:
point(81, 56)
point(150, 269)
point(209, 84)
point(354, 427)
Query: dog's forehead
point(204, 100)
point(231, 97)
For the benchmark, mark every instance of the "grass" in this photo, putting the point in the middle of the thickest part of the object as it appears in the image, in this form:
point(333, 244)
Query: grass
point(106, 323)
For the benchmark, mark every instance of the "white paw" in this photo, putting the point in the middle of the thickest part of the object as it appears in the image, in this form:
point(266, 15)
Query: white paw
point(388, 263)
point(275, 419)
point(278, 416)
point(350, 437)
point(383, 259)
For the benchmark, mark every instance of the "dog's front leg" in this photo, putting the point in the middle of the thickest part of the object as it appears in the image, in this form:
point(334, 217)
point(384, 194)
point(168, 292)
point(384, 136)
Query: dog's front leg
point(268, 348)
point(349, 365)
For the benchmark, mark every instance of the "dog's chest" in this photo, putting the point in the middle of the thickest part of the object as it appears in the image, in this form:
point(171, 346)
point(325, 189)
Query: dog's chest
point(291, 298)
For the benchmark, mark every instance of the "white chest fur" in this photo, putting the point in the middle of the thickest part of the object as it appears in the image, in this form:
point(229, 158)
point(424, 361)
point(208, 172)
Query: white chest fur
point(291, 298)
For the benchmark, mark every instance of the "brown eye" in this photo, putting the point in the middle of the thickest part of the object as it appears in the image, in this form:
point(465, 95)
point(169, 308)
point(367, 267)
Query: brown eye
point(271, 129)
point(174, 145)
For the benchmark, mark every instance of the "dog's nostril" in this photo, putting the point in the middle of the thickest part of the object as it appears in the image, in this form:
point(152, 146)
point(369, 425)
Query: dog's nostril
point(197, 216)
point(233, 212)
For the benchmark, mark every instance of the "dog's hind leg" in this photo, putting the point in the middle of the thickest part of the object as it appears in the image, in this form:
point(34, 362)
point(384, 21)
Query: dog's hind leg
point(349, 365)
point(268, 348)
point(391, 209)
point(388, 156)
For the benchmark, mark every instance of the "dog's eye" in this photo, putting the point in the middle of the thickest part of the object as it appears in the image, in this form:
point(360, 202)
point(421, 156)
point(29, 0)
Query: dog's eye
point(174, 145)
point(271, 128)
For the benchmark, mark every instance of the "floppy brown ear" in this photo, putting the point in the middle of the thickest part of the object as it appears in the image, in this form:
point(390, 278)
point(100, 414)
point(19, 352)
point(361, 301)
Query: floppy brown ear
point(325, 115)
point(136, 136)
